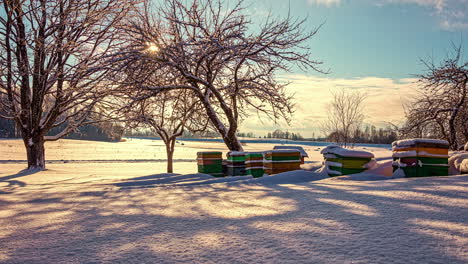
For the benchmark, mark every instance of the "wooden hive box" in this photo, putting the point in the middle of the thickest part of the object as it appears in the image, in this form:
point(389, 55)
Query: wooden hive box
point(277, 161)
point(254, 164)
point(236, 163)
point(301, 149)
point(340, 161)
point(210, 163)
point(420, 157)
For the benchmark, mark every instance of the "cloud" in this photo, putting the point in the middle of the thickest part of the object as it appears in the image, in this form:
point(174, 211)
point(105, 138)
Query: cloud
point(385, 101)
point(325, 2)
point(437, 4)
point(450, 25)
point(451, 14)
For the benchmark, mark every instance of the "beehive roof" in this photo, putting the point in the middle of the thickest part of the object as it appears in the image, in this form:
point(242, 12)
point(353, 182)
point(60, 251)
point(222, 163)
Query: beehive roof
point(301, 149)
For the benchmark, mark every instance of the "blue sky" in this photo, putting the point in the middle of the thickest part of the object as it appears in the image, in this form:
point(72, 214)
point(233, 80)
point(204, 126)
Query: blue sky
point(377, 38)
point(371, 45)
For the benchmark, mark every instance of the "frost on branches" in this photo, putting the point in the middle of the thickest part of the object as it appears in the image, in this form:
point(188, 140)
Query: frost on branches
point(53, 66)
point(217, 53)
point(168, 114)
point(441, 109)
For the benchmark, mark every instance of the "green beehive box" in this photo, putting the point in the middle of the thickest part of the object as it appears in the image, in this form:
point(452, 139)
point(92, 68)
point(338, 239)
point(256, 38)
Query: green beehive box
point(236, 171)
point(434, 167)
point(283, 155)
point(210, 163)
point(256, 173)
point(282, 160)
point(254, 164)
point(236, 163)
point(254, 156)
point(340, 161)
point(420, 157)
point(235, 158)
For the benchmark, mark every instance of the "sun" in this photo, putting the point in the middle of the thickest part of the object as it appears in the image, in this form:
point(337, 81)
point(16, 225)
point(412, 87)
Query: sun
point(152, 47)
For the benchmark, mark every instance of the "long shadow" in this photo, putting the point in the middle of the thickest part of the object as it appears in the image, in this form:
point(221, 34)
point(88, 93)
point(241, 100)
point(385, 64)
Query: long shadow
point(311, 222)
point(165, 179)
point(12, 184)
point(21, 173)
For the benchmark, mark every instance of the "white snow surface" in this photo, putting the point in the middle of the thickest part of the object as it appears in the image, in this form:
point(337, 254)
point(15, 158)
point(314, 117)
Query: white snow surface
point(130, 212)
point(371, 164)
point(414, 153)
point(237, 153)
point(346, 152)
point(333, 164)
point(458, 163)
point(413, 141)
point(404, 154)
point(399, 173)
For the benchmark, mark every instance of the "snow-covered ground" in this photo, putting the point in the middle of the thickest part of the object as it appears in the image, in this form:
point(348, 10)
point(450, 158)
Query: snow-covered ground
point(144, 150)
point(141, 149)
point(128, 210)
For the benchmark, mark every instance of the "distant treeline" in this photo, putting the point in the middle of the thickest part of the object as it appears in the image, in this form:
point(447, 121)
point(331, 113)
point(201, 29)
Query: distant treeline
point(370, 134)
point(7, 128)
point(367, 134)
point(114, 132)
point(284, 135)
point(153, 134)
point(101, 132)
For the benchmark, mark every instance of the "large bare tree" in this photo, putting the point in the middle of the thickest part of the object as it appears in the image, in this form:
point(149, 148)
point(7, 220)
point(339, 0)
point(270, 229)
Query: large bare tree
point(219, 55)
point(53, 64)
point(345, 115)
point(441, 109)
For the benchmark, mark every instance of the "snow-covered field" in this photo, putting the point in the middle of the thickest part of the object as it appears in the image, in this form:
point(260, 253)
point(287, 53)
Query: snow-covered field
point(127, 210)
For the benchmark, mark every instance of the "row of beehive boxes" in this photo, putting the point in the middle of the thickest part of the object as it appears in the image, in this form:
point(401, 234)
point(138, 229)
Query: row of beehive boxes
point(411, 158)
point(248, 163)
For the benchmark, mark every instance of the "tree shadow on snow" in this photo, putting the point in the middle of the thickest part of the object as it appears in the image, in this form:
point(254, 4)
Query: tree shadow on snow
point(320, 222)
point(168, 179)
point(12, 184)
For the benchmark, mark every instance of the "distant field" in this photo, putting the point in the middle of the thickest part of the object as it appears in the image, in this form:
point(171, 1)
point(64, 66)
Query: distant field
point(141, 149)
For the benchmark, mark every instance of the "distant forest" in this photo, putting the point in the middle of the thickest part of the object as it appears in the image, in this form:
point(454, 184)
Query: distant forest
point(113, 132)
point(102, 132)
point(368, 134)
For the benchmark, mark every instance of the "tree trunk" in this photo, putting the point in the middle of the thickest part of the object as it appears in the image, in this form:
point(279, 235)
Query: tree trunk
point(35, 152)
point(453, 136)
point(231, 141)
point(170, 153)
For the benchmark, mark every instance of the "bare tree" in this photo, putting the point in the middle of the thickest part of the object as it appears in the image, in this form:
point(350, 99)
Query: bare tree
point(168, 114)
point(442, 106)
point(345, 116)
point(228, 65)
point(52, 64)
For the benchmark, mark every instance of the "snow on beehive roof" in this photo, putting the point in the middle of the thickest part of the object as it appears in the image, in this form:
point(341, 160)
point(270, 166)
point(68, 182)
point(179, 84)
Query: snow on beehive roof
point(299, 148)
point(334, 149)
point(236, 153)
point(414, 141)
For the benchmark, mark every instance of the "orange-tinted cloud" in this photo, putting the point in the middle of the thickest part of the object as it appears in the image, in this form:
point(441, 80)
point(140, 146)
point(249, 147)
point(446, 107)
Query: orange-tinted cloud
point(384, 103)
